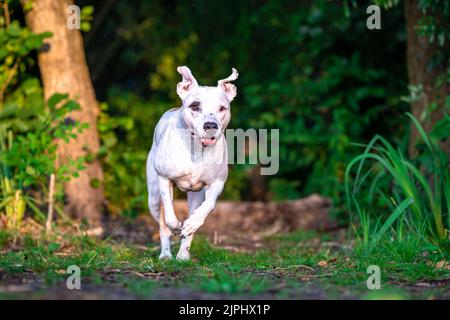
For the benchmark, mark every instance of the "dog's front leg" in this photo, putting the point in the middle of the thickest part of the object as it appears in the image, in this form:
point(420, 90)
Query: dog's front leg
point(199, 215)
point(166, 197)
point(195, 200)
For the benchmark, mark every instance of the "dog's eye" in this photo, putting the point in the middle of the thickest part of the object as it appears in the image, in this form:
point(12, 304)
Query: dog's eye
point(222, 108)
point(195, 106)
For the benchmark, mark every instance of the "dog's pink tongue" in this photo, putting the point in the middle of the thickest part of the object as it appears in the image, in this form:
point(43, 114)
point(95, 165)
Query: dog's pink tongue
point(208, 141)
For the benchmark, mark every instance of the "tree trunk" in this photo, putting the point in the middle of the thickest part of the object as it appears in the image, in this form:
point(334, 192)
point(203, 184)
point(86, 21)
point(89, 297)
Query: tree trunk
point(63, 68)
point(419, 54)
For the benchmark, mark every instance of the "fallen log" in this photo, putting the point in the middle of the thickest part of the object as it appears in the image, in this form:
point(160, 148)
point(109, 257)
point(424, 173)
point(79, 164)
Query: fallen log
point(310, 213)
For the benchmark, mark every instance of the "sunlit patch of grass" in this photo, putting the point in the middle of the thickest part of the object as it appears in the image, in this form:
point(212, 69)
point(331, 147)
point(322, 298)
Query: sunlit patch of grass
point(409, 261)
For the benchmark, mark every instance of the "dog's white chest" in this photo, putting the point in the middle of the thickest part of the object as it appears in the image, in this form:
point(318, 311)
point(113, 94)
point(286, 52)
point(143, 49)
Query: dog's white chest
point(193, 174)
point(189, 183)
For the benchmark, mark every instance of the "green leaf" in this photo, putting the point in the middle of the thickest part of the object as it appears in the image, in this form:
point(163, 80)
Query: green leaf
point(441, 129)
point(30, 170)
point(87, 10)
point(28, 5)
point(33, 42)
point(85, 26)
point(53, 246)
point(55, 99)
point(14, 29)
point(3, 53)
point(95, 183)
point(70, 106)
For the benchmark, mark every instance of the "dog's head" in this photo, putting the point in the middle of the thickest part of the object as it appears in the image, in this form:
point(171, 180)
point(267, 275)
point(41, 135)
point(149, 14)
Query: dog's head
point(206, 110)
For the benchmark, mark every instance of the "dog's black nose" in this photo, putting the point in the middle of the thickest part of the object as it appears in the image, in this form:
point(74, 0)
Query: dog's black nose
point(210, 126)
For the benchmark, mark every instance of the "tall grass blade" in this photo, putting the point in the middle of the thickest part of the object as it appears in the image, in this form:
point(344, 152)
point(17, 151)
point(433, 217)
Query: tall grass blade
point(392, 218)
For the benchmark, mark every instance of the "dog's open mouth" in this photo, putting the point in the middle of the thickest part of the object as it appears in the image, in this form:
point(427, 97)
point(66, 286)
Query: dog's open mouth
point(208, 141)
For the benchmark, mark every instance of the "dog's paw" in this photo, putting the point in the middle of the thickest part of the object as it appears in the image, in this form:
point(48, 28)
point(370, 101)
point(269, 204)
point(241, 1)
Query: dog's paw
point(165, 256)
point(183, 255)
point(191, 224)
point(174, 226)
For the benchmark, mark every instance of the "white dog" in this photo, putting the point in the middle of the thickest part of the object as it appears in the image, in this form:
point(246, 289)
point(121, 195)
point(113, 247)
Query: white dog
point(190, 150)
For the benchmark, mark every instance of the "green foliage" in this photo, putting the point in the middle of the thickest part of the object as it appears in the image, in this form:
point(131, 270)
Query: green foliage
point(386, 3)
point(86, 17)
point(436, 21)
point(16, 44)
point(29, 126)
point(31, 155)
point(28, 158)
point(417, 192)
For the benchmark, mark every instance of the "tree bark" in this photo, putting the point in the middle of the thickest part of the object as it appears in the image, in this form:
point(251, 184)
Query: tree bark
point(419, 54)
point(63, 68)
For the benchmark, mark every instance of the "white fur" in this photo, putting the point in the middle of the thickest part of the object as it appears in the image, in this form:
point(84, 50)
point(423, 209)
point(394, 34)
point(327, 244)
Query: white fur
point(183, 153)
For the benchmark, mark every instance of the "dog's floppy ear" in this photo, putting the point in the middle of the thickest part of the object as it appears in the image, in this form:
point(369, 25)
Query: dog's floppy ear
point(187, 83)
point(229, 88)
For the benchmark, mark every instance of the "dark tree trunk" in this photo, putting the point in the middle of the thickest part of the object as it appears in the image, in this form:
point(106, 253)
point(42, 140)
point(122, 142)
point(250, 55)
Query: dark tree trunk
point(64, 70)
point(419, 54)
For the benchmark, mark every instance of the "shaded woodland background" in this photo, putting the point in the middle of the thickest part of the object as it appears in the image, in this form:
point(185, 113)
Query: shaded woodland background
point(307, 68)
point(310, 68)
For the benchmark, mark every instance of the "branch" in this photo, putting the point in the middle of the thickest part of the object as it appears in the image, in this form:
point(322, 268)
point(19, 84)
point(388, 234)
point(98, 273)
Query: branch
point(8, 80)
point(6, 13)
point(48, 223)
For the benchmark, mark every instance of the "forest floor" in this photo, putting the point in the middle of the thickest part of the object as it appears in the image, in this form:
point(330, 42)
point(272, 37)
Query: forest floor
point(300, 265)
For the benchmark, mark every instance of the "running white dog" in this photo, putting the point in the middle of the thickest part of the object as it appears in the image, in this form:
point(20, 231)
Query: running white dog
point(189, 149)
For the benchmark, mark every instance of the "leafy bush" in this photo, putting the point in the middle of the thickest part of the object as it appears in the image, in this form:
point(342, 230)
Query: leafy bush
point(28, 158)
point(29, 125)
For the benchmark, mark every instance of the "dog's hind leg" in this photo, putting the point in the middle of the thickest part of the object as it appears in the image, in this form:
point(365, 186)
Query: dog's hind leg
point(154, 204)
point(195, 199)
point(164, 234)
point(166, 192)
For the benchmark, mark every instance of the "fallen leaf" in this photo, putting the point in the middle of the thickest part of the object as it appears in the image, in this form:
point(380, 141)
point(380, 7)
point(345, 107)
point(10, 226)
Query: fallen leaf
point(442, 265)
point(323, 264)
point(305, 279)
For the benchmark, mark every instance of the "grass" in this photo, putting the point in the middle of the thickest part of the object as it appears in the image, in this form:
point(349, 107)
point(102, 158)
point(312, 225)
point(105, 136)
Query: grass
point(402, 208)
point(298, 265)
point(417, 192)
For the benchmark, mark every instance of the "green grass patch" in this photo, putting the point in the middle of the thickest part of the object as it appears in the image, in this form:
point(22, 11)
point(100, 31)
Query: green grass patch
point(291, 266)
